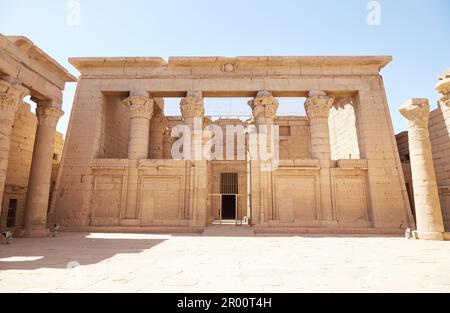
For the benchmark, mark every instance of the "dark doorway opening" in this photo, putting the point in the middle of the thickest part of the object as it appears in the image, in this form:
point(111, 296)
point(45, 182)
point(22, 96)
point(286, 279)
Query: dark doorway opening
point(228, 207)
point(12, 209)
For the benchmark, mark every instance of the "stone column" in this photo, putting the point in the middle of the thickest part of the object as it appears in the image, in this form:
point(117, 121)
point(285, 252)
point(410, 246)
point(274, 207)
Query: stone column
point(192, 110)
point(430, 225)
point(35, 219)
point(264, 108)
point(11, 96)
point(318, 107)
point(141, 111)
point(443, 88)
point(167, 145)
point(157, 129)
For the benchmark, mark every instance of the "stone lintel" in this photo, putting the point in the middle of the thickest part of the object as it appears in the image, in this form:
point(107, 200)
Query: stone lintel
point(232, 65)
point(25, 52)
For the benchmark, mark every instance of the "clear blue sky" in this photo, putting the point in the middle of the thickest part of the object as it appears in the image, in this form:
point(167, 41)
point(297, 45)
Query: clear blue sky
point(415, 32)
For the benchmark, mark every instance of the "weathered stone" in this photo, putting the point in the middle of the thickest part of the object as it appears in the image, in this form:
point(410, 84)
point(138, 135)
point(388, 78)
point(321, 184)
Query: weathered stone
point(27, 70)
point(430, 224)
point(309, 189)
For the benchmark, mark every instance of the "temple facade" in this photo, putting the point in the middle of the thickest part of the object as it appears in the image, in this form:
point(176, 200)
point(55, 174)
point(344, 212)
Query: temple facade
point(335, 170)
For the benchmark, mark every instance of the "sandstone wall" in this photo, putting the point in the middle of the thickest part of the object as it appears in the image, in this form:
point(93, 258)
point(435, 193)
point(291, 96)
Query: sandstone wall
point(294, 137)
point(343, 135)
point(115, 129)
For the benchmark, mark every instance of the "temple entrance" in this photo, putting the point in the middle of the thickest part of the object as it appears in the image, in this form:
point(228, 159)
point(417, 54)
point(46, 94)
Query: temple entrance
point(229, 207)
point(229, 191)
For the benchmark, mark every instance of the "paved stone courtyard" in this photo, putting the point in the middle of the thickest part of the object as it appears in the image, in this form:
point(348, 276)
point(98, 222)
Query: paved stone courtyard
point(79, 262)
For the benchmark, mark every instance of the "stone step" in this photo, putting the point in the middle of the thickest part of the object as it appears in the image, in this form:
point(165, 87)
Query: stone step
point(228, 231)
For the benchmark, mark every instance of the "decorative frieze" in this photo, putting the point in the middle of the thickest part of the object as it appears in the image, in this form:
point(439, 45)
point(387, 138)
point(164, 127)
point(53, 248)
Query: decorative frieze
point(352, 164)
point(109, 163)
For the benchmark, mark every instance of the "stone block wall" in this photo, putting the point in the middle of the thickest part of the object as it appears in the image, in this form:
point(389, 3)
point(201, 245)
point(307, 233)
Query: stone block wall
point(115, 129)
point(343, 134)
point(294, 137)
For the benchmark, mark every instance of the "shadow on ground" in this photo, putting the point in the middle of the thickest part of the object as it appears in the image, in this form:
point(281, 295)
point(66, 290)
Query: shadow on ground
point(68, 250)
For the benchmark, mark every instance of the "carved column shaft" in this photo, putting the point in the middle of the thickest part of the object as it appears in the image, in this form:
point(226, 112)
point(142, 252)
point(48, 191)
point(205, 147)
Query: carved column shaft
point(443, 88)
point(264, 108)
point(157, 128)
point(317, 107)
point(167, 145)
point(430, 224)
point(11, 96)
point(193, 111)
point(48, 115)
point(141, 111)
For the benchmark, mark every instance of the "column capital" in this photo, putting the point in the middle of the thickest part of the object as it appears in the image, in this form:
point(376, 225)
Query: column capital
point(444, 101)
point(318, 104)
point(140, 106)
point(192, 105)
point(11, 95)
point(264, 105)
point(417, 112)
point(48, 115)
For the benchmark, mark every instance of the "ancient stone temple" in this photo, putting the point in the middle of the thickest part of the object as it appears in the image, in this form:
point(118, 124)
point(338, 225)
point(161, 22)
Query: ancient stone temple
point(337, 169)
point(30, 147)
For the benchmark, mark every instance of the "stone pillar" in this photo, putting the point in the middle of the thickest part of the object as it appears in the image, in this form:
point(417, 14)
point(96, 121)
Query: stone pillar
point(157, 129)
point(264, 108)
point(141, 111)
point(35, 219)
point(11, 96)
point(318, 107)
point(193, 111)
point(430, 225)
point(443, 88)
point(167, 144)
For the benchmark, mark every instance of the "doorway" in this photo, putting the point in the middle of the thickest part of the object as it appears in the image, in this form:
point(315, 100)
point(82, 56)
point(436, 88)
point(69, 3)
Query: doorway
point(229, 205)
point(229, 192)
